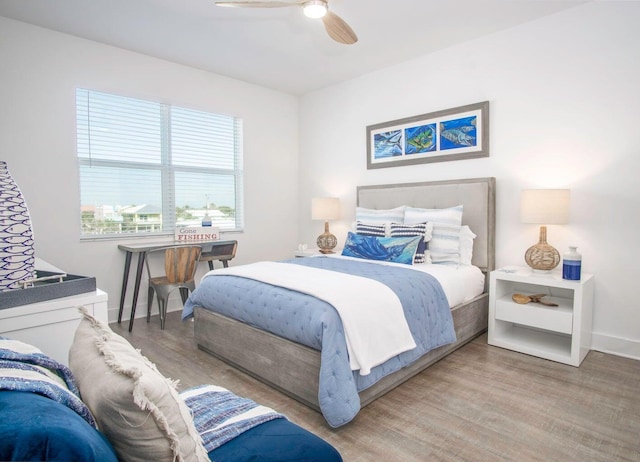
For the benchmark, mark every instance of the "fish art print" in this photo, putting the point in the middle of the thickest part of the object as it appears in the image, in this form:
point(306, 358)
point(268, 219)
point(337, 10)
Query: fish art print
point(450, 134)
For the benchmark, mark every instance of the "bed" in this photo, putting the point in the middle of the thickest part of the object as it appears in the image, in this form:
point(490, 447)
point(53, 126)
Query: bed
point(297, 366)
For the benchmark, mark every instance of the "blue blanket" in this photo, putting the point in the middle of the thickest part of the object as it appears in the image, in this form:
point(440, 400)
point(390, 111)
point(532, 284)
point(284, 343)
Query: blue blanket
point(24, 368)
point(312, 322)
point(36, 428)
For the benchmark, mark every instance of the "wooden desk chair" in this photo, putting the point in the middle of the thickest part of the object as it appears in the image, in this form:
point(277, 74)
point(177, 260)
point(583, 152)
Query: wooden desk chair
point(222, 251)
point(180, 265)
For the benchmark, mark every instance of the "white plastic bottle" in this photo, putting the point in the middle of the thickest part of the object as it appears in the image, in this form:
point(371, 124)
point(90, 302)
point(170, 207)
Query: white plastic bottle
point(571, 264)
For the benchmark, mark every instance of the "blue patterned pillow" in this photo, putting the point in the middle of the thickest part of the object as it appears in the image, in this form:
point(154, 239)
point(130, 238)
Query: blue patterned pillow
point(367, 229)
point(421, 230)
point(393, 249)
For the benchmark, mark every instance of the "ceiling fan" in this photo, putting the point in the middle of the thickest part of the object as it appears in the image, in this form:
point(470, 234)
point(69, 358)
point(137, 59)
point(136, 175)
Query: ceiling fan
point(335, 26)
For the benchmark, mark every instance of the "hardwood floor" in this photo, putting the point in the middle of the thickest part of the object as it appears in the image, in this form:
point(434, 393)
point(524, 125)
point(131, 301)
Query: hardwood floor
point(481, 403)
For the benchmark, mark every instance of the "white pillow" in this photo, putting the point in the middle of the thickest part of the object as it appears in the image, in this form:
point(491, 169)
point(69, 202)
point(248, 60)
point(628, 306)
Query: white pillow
point(379, 217)
point(448, 216)
point(136, 407)
point(451, 244)
point(444, 245)
point(466, 245)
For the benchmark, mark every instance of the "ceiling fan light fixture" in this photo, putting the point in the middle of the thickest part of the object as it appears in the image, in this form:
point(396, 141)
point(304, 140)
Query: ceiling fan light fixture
point(315, 9)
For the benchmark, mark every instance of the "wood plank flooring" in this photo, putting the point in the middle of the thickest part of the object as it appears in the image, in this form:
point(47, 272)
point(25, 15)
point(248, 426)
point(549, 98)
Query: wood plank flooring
point(481, 403)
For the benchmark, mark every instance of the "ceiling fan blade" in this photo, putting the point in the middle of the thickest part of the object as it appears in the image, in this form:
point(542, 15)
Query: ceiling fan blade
point(255, 4)
point(339, 30)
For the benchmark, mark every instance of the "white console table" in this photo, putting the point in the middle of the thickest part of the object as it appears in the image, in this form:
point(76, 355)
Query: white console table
point(51, 325)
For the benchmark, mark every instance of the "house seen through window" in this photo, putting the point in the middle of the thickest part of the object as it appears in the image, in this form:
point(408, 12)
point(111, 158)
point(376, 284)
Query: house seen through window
point(147, 167)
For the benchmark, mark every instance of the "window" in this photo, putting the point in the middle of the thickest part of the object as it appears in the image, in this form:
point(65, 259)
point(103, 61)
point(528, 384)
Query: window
point(147, 167)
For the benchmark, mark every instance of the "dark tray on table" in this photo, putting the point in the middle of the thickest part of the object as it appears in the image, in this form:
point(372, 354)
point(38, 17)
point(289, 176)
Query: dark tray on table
point(71, 284)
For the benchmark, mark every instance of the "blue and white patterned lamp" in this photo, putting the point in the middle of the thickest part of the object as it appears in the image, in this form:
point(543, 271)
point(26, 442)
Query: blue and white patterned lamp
point(17, 255)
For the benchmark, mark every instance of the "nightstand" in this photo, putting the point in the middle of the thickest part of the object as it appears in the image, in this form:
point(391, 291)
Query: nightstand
point(561, 333)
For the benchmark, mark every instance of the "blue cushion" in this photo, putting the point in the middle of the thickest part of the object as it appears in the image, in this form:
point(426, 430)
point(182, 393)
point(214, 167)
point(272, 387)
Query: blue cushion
point(34, 427)
point(393, 249)
point(275, 441)
point(419, 230)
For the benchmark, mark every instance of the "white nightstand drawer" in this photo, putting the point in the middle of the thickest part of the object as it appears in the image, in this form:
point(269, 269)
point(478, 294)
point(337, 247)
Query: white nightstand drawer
point(557, 319)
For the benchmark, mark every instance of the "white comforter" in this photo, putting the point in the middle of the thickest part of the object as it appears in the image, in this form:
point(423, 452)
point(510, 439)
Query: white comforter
point(460, 283)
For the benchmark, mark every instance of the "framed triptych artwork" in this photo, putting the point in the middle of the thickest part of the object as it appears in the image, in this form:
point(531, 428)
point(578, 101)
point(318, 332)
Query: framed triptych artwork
point(451, 134)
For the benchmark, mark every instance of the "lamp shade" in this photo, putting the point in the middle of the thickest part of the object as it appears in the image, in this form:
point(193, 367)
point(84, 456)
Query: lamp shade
point(544, 206)
point(325, 208)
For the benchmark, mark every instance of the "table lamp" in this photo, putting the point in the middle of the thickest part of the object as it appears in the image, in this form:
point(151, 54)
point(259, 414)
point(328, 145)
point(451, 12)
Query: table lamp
point(325, 208)
point(544, 207)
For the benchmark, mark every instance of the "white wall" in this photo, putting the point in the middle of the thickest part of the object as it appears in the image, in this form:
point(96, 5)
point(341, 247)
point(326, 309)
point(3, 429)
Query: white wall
point(563, 93)
point(564, 99)
point(39, 71)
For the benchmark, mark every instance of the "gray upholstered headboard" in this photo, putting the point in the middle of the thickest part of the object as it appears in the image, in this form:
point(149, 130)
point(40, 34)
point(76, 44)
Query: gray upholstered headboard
point(477, 195)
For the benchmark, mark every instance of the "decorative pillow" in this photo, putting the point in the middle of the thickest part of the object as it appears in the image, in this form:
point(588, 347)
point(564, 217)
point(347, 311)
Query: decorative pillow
point(367, 229)
point(444, 245)
point(393, 249)
point(448, 216)
point(136, 407)
point(421, 230)
point(380, 217)
point(466, 245)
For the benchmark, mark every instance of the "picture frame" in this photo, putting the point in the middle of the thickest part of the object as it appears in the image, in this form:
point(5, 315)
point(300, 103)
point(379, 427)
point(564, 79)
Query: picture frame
point(451, 134)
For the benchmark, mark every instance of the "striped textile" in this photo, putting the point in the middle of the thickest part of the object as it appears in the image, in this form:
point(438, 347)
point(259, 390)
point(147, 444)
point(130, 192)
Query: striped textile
point(380, 217)
point(25, 368)
point(220, 415)
point(447, 216)
point(368, 229)
point(445, 243)
point(420, 229)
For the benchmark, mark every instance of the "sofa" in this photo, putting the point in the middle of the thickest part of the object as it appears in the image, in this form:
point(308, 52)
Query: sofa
point(111, 403)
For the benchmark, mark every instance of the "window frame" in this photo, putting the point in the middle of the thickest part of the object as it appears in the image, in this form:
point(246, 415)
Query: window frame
point(167, 170)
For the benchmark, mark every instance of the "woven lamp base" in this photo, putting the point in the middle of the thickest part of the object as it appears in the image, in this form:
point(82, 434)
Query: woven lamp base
point(542, 256)
point(326, 242)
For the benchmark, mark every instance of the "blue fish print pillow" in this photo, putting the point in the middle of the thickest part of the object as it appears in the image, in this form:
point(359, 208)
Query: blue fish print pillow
point(394, 249)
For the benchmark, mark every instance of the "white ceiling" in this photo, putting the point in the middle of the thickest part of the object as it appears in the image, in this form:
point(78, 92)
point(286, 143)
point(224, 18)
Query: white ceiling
point(280, 48)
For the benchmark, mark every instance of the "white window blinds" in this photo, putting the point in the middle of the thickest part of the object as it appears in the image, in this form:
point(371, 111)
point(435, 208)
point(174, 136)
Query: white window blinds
point(147, 167)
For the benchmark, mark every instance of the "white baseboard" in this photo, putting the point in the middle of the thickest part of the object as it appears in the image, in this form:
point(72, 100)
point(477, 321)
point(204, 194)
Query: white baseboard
point(615, 345)
point(141, 311)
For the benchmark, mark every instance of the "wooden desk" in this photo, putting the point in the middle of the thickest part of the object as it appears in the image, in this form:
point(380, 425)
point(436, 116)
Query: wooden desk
point(219, 251)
